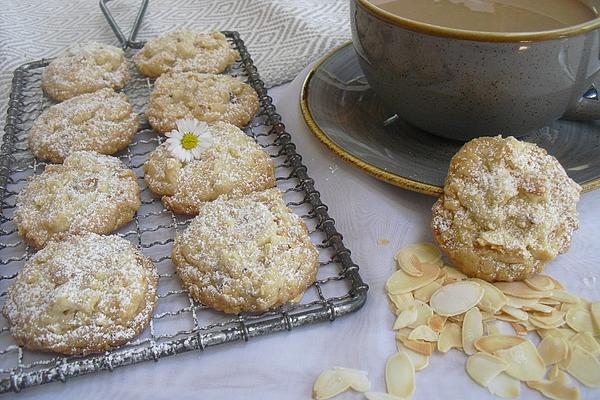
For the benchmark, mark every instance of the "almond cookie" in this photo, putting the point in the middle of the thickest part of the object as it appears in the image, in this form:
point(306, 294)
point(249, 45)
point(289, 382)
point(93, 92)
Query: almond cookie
point(85, 294)
point(84, 68)
point(246, 254)
point(185, 50)
point(205, 97)
point(89, 192)
point(234, 164)
point(102, 121)
point(508, 207)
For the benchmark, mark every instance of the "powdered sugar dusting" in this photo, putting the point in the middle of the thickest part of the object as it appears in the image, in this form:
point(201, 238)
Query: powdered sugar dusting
point(102, 121)
point(205, 97)
point(246, 254)
point(84, 294)
point(234, 164)
point(88, 193)
point(84, 68)
point(508, 207)
point(185, 50)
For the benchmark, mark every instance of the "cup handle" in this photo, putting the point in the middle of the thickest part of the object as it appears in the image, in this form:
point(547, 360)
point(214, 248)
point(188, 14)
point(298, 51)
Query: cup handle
point(586, 108)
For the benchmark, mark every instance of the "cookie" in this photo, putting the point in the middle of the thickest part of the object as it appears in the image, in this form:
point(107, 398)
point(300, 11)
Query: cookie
point(247, 254)
point(102, 121)
point(89, 192)
point(205, 97)
point(84, 68)
point(85, 294)
point(185, 50)
point(234, 164)
point(508, 208)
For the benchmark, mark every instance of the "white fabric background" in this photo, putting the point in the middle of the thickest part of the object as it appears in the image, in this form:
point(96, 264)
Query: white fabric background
point(283, 36)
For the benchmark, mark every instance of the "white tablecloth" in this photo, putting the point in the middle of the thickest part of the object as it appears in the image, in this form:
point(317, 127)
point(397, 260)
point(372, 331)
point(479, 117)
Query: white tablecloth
point(285, 365)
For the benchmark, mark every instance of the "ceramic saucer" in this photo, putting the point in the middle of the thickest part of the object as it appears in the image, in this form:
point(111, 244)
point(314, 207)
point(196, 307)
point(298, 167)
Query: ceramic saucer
point(347, 116)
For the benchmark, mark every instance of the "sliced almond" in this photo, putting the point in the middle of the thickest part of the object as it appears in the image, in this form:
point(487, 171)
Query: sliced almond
point(450, 337)
point(518, 302)
point(411, 257)
point(586, 341)
point(491, 344)
point(329, 384)
point(400, 375)
point(424, 312)
point(424, 293)
point(472, 330)
point(549, 321)
point(493, 299)
point(404, 332)
point(405, 318)
point(420, 361)
point(580, 320)
point(553, 349)
point(553, 373)
point(557, 283)
point(515, 312)
point(453, 275)
point(519, 289)
point(524, 362)
point(401, 282)
point(400, 302)
point(565, 333)
point(409, 264)
point(550, 302)
point(567, 306)
point(492, 329)
point(425, 333)
point(540, 282)
point(483, 367)
point(336, 380)
point(356, 378)
point(502, 316)
point(420, 346)
point(457, 318)
point(382, 396)
point(584, 367)
point(595, 310)
point(556, 388)
point(437, 322)
point(563, 296)
point(505, 386)
point(540, 308)
point(456, 298)
point(519, 328)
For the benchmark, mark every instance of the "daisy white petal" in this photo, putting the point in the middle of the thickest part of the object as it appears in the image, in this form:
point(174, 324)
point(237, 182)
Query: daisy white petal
point(190, 139)
point(187, 125)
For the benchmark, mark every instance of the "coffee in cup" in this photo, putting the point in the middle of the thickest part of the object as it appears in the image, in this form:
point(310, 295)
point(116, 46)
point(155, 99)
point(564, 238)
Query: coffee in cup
point(492, 15)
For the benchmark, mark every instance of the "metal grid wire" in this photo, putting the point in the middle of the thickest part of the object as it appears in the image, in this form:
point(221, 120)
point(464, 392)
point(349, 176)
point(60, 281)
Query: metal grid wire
point(179, 324)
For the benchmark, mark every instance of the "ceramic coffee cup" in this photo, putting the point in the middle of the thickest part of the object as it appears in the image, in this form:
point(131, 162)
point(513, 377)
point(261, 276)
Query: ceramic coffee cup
point(463, 84)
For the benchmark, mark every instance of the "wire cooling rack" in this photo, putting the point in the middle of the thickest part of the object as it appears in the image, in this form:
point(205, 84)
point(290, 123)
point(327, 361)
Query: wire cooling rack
point(179, 324)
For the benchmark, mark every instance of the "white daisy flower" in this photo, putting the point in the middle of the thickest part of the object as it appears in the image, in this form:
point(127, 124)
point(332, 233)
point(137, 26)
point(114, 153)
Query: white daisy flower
point(189, 140)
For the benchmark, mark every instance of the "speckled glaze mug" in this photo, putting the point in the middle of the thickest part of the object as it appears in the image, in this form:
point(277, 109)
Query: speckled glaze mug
point(463, 84)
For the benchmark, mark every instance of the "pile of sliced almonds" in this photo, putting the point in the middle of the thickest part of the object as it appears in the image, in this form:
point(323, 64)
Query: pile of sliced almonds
point(440, 308)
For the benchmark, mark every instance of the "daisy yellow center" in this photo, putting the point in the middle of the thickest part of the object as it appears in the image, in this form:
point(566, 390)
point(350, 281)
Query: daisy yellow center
point(189, 141)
